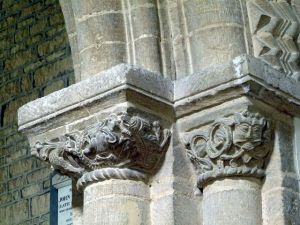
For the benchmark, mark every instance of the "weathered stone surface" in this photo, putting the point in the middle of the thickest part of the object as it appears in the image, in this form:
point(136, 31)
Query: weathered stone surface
point(173, 189)
point(244, 76)
point(66, 7)
point(38, 175)
point(238, 71)
point(31, 190)
point(246, 69)
point(114, 51)
point(176, 207)
point(183, 194)
point(231, 147)
point(57, 85)
point(279, 168)
point(243, 198)
point(195, 38)
point(206, 20)
point(117, 202)
point(21, 166)
point(8, 213)
point(120, 147)
point(120, 77)
point(275, 34)
point(31, 39)
point(279, 190)
point(94, 6)
point(40, 204)
point(146, 35)
point(100, 30)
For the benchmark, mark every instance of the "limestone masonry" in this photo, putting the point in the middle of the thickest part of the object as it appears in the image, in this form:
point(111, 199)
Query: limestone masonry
point(182, 112)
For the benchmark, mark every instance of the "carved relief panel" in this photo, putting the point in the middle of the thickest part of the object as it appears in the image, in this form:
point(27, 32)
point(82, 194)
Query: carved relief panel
point(236, 146)
point(275, 29)
point(120, 147)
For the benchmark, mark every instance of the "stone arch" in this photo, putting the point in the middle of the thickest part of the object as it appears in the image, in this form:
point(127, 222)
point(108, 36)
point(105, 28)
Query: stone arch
point(66, 7)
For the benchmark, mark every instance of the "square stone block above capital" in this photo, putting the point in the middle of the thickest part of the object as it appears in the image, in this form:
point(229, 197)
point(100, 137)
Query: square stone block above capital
point(121, 85)
point(244, 76)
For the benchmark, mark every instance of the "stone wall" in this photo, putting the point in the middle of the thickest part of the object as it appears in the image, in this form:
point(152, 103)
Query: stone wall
point(35, 60)
point(227, 111)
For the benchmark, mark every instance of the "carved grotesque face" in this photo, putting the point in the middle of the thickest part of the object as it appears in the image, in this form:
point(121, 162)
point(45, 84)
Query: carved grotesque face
point(248, 131)
point(247, 136)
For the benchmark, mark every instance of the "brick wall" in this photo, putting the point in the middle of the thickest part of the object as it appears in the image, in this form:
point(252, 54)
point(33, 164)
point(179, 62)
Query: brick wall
point(35, 60)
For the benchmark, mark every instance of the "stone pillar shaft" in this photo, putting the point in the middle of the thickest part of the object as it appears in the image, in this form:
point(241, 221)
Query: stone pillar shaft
point(143, 34)
point(101, 35)
point(216, 31)
point(239, 64)
point(117, 202)
point(230, 156)
point(232, 202)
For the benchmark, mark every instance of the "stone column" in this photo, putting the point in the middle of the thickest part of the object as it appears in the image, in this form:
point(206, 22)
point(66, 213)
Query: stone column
point(216, 31)
point(100, 34)
point(112, 161)
point(109, 139)
point(117, 202)
point(229, 157)
point(232, 201)
point(143, 34)
point(110, 131)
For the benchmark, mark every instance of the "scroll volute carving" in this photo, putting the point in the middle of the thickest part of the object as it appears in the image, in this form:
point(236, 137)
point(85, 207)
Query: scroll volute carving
point(236, 146)
point(121, 147)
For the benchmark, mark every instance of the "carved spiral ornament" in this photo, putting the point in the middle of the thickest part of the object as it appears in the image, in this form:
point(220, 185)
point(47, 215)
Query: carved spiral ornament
point(223, 149)
point(199, 144)
point(219, 140)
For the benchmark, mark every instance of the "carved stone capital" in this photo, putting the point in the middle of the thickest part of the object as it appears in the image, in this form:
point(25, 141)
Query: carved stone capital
point(236, 146)
point(119, 147)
